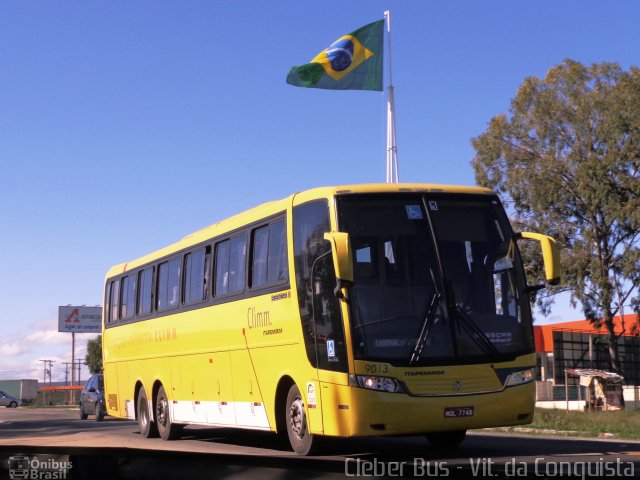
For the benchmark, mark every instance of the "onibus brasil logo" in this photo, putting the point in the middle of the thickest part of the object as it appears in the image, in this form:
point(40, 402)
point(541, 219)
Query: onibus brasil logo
point(24, 467)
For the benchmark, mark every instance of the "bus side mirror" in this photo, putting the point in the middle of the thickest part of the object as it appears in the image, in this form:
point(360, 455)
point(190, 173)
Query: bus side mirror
point(550, 255)
point(342, 259)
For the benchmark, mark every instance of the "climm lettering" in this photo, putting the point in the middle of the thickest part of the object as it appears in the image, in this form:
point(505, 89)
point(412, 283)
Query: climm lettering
point(258, 319)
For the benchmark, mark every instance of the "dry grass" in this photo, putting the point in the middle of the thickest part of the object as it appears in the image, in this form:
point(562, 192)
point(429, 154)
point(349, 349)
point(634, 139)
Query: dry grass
point(622, 424)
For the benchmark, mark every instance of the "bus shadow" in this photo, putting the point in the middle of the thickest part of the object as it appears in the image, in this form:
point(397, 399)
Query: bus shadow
point(55, 427)
point(416, 447)
point(235, 437)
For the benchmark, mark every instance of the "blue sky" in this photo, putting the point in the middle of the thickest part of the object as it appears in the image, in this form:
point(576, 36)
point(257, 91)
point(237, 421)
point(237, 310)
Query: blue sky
point(126, 125)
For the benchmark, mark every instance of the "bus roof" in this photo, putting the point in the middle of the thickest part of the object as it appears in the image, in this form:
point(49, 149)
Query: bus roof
point(272, 208)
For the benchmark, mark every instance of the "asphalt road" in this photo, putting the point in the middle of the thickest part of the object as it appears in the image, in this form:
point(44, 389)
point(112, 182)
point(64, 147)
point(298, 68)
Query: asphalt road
point(56, 441)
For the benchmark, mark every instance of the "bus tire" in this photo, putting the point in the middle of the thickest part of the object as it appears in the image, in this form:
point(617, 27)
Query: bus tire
point(302, 442)
point(166, 428)
point(146, 424)
point(446, 439)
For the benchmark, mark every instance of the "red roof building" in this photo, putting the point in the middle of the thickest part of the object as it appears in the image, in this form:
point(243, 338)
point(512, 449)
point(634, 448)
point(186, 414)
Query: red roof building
point(579, 344)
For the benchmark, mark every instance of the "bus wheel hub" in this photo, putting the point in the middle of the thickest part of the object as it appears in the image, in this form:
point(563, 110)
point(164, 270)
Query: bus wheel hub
point(297, 418)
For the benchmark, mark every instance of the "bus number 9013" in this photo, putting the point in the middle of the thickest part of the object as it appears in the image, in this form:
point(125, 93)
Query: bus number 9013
point(376, 368)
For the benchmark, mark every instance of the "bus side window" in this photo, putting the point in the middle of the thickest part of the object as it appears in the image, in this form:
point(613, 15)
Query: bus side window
point(269, 255)
point(128, 297)
point(237, 262)
point(115, 300)
point(144, 291)
point(162, 285)
point(222, 269)
point(207, 273)
point(278, 267)
point(259, 257)
point(107, 304)
point(175, 269)
point(168, 289)
point(231, 258)
point(196, 266)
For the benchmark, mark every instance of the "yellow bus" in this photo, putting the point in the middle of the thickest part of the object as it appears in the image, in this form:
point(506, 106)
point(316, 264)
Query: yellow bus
point(358, 310)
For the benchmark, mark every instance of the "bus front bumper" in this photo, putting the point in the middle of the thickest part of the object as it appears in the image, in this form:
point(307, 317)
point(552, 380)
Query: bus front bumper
point(381, 413)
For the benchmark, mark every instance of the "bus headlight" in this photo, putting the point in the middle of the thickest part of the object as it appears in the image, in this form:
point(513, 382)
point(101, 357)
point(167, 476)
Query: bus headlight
point(518, 378)
point(381, 384)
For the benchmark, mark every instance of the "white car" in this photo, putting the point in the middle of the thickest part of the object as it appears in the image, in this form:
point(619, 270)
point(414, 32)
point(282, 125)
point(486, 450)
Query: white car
point(7, 400)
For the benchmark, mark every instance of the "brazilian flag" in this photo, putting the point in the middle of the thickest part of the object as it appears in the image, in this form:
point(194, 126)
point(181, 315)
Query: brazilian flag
point(353, 62)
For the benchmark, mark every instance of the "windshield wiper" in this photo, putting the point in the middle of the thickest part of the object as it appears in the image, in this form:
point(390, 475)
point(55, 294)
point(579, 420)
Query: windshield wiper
point(426, 326)
point(427, 323)
point(479, 338)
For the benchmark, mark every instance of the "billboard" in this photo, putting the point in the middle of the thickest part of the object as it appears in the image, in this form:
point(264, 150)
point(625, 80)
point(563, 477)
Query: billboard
point(80, 319)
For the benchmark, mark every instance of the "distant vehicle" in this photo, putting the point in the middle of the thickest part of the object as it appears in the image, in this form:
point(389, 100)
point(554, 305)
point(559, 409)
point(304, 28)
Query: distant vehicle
point(24, 389)
point(9, 401)
point(92, 398)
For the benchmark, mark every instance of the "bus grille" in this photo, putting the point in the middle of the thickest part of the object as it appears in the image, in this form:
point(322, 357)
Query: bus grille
point(461, 384)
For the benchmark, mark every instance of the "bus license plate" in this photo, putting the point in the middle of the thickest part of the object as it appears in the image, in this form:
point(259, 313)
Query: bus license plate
point(457, 412)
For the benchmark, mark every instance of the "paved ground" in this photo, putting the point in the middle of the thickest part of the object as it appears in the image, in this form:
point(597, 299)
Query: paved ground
point(114, 449)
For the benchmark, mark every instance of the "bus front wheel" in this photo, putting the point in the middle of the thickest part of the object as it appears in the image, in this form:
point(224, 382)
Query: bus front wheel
point(300, 439)
point(167, 429)
point(148, 428)
point(446, 439)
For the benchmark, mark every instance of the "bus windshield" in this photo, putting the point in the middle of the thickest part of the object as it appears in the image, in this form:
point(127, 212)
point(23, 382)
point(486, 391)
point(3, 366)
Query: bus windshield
point(437, 280)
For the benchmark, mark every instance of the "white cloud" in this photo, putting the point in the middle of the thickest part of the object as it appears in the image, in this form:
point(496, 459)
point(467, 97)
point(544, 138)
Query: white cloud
point(48, 337)
point(21, 355)
point(60, 369)
point(47, 324)
point(13, 349)
point(11, 369)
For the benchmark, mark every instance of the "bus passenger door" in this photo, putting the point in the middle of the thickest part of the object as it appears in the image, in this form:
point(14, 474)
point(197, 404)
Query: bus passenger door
point(326, 388)
point(331, 349)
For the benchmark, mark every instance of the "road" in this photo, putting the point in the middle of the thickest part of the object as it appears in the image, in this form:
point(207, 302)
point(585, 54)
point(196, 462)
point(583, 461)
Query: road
point(114, 449)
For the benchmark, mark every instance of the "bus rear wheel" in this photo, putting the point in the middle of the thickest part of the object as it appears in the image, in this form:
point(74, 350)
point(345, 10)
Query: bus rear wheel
point(147, 427)
point(302, 442)
point(446, 439)
point(167, 429)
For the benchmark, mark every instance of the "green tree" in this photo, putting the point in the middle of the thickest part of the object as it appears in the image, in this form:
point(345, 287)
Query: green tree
point(93, 359)
point(566, 160)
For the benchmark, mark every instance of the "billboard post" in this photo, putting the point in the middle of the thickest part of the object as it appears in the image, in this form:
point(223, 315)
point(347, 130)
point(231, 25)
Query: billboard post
point(78, 319)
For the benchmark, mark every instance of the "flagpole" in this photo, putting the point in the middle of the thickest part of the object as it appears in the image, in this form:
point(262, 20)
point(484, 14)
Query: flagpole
point(392, 147)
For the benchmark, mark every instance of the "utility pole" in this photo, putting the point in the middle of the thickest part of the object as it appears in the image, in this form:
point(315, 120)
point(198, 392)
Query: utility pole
point(79, 363)
point(66, 381)
point(48, 365)
point(73, 361)
point(75, 379)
